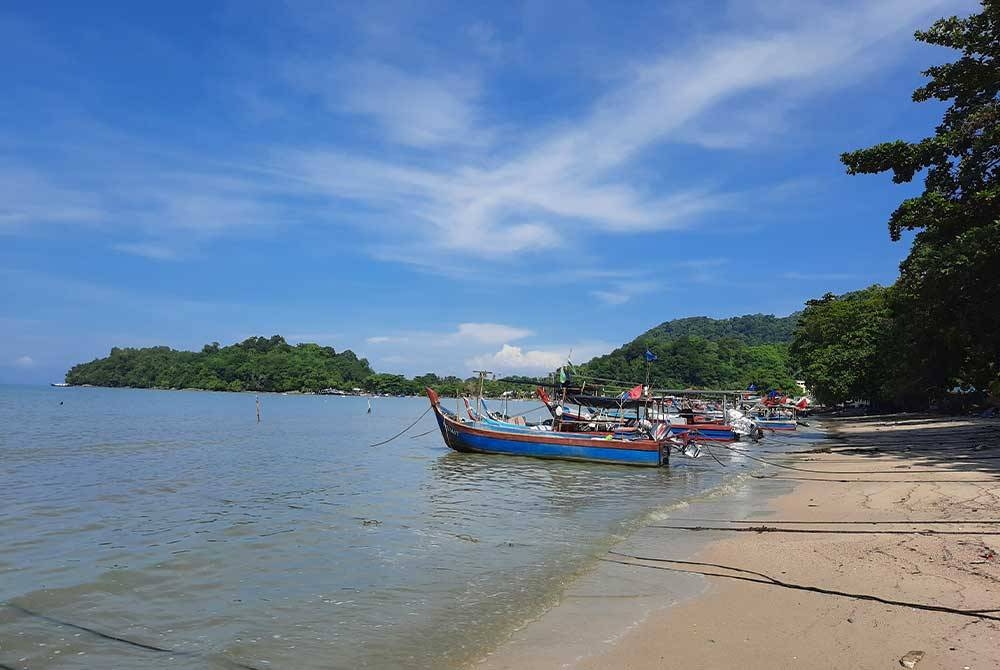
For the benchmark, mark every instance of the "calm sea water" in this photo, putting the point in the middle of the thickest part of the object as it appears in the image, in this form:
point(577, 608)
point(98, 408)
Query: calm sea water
point(174, 520)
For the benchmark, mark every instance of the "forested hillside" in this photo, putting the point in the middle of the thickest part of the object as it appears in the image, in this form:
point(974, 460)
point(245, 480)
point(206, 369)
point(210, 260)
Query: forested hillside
point(705, 353)
point(750, 329)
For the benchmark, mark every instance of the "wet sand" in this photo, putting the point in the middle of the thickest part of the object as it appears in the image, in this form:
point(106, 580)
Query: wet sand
point(898, 557)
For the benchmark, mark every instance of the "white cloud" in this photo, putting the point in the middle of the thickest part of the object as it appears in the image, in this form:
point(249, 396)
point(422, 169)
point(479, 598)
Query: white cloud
point(612, 297)
point(515, 358)
point(464, 333)
point(419, 110)
point(460, 350)
point(23, 362)
point(490, 333)
point(511, 359)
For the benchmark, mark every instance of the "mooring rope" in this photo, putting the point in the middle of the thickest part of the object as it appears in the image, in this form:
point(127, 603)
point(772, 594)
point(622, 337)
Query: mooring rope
point(377, 444)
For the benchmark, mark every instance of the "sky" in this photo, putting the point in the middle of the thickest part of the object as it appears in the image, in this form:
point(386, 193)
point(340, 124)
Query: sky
point(440, 186)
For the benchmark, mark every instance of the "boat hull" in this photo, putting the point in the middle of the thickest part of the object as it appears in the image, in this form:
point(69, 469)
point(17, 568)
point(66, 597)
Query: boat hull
point(476, 438)
point(776, 425)
point(711, 432)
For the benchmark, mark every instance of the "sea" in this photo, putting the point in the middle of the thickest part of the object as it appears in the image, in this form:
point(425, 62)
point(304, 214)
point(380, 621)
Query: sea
point(170, 529)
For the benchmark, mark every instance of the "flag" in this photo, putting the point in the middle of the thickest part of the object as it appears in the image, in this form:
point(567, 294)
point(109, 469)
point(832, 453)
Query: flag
point(634, 393)
point(562, 375)
point(752, 387)
point(650, 356)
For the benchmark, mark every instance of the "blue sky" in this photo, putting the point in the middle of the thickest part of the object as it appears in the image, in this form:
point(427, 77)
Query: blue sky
point(439, 186)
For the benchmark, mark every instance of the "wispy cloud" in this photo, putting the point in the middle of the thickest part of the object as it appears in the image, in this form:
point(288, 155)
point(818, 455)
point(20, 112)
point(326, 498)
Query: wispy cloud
point(621, 292)
point(416, 110)
point(510, 359)
point(441, 176)
point(29, 197)
point(23, 362)
point(491, 333)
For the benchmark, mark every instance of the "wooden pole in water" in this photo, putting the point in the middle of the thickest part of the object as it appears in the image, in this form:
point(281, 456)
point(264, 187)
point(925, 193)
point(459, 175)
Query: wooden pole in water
point(257, 398)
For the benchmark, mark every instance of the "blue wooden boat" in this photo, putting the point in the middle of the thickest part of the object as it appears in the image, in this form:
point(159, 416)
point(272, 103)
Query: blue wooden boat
point(496, 437)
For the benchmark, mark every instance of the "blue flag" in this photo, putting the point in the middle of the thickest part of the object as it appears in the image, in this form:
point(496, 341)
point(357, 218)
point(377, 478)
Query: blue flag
point(752, 387)
point(650, 356)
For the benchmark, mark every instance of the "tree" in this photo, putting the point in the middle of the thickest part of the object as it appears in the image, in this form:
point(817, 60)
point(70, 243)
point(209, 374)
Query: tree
point(840, 344)
point(947, 299)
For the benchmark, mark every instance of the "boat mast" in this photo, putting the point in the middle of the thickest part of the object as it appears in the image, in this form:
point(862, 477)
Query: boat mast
point(479, 400)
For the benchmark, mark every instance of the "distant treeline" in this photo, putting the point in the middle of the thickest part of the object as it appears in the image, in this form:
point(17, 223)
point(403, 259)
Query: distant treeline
point(938, 326)
point(264, 364)
point(692, 353)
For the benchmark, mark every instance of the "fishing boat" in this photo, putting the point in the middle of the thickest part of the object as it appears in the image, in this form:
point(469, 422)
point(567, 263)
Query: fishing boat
point(494, 437)
point(775, 421)
point(601, 413)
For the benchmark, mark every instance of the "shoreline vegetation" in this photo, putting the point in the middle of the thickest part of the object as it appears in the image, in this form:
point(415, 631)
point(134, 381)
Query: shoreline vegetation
point(695, 352)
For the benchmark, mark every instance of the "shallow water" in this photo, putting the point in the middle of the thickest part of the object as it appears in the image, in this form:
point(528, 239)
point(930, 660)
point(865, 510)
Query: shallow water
point(174, 520)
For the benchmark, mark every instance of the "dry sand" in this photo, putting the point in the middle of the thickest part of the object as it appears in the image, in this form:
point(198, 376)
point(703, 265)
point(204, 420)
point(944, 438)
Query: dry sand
point(934, 483)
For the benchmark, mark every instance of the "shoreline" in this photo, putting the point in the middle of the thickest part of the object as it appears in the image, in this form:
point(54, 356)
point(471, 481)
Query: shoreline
point(862, 581)
point(606, 603)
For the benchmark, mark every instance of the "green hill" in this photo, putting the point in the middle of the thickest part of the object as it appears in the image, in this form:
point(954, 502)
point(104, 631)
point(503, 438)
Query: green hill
point(750, 329)
point(701, 352)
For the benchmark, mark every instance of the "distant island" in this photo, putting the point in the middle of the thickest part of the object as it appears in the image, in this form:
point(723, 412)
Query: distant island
point(692, 352)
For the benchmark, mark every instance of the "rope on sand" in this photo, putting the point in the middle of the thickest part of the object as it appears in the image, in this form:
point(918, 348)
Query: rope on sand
point(761, 578)
point(827, 531)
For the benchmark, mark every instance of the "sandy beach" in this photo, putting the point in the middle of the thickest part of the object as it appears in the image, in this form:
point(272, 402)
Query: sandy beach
point(886, 541)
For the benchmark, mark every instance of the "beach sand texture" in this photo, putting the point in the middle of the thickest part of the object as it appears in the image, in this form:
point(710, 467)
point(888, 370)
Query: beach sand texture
point(908, 560)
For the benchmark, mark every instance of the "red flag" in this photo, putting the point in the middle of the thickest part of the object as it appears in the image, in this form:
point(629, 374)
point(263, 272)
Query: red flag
point(635, 393)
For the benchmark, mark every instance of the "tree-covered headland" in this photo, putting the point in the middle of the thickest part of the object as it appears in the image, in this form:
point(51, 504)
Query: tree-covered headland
point(256, 364)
